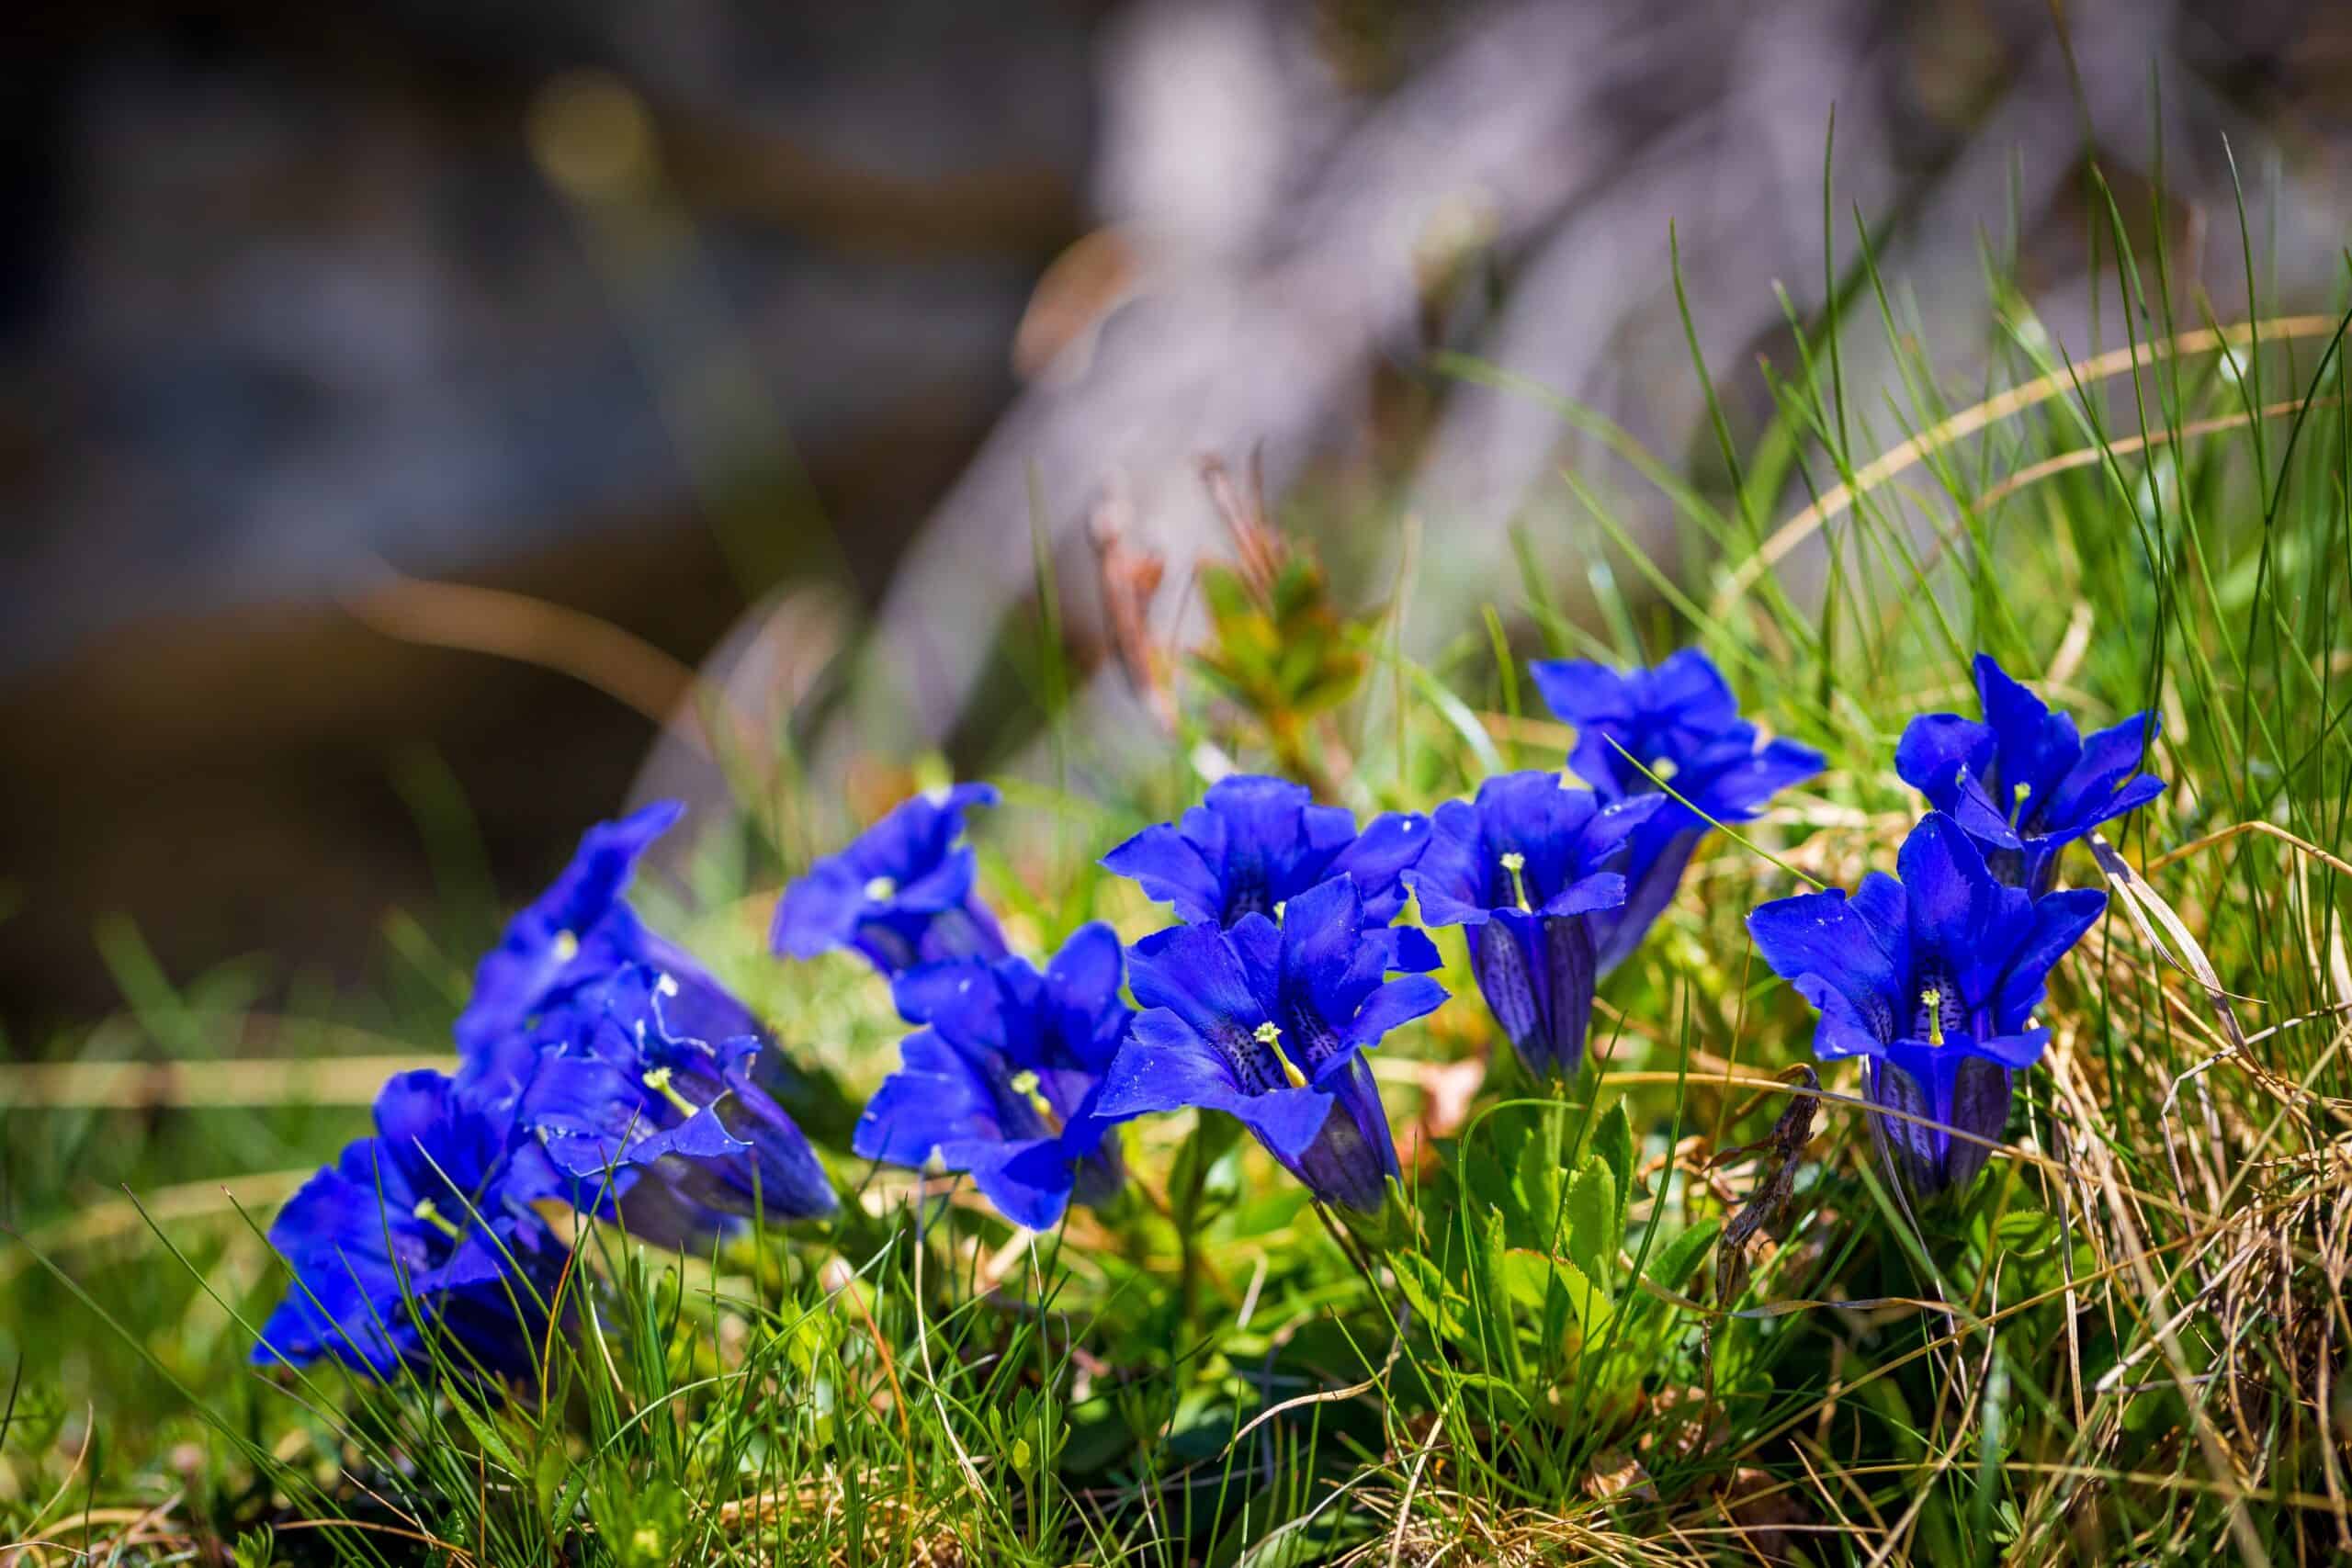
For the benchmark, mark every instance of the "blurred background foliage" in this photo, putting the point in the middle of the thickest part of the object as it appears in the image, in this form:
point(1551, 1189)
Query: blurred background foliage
point(800, 344)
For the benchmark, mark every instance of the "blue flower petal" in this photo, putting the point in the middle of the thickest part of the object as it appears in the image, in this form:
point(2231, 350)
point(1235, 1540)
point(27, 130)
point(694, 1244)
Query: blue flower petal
point(1409, 951)
point(1823, 946)
point(1005, 1081)
point(935, 1098)
point(1255, 842)
point(1395, 1003)
point(1321, 938)
point(1581, 692)
point(2037, 747)
point(819, 912)
point(1028, 1183)
point(2059, 922)
point(421, 1219)
point(1192, 972)
point(1599, 890)
point(1167, 1066)
point(1935, 747)
point(1675, 725)
point(1956, 906)
point(1389, 846)
point(1170, 870)
point(954, 984)
point(2102, 786)
point(1934, 977)
point(1449, 881)
point(901, 894)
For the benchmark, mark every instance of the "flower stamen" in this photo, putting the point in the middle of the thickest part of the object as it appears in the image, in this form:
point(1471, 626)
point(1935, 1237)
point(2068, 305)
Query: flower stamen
point(426, 1211)
point(1932, 1001)
point(1024, 1084)
point(1515, 862)
point(566, 946)
point(1269, 1035)
point(880, 890)
point(658, 1080)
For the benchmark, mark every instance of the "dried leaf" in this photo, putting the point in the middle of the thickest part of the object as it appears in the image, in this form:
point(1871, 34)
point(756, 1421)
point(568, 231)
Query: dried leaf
point(1770, 1199)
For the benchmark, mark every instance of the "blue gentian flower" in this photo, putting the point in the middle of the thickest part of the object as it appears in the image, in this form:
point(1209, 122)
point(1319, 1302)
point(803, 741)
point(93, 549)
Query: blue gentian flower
point(1268, 1023)
point(1933, 978)
point(2023, 784)
point(426, 1221)
point(1002, 1080)
point(573, 938)
point(901, 894)
point(1256, 842)
point(688, 1143)
point(1680, 721)
point(1530, 868)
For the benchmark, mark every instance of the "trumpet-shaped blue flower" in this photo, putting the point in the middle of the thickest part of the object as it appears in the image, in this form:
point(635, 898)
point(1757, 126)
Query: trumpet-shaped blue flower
point(1934, 977)
point(1268, 1023)
point(1003, 1080)
point(1256, 842)
point(901, 894)
point(1530, 867)
point(1680, 721)
point(427, 1222)
point(672, 1128)
point(2023, 784)
point(575, 935)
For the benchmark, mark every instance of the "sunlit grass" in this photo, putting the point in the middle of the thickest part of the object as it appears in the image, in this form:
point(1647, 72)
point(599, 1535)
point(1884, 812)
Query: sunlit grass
point(2126, 1342)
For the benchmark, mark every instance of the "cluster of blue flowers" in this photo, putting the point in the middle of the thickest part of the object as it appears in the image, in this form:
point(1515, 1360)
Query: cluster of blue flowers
point(604, 1070)
point(600, 1067)
point(1933, 975)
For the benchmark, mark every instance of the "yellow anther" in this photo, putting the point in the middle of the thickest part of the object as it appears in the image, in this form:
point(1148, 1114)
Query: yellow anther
point(1024, 1084)
point(1515, 862)
point(566, 947)
point(1933, 1000)
point(1269, 1035)
point(433, 1216)
point(1664, 770)
point(658, 1080)
point(880, 889)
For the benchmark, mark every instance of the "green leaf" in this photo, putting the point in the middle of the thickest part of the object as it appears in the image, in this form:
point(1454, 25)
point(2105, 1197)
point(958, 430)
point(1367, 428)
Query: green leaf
point(1671, 1264)
point(1612, 1140)
point(492, 1445)
point(1596, 1220)
point(1591, 1304)
point(1491, 1262)
point(1440, 1303)
point(1537, 1195)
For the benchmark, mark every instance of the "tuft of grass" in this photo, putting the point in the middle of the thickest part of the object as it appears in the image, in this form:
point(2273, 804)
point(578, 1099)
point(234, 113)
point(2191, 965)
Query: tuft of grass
point(1597, 1344)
